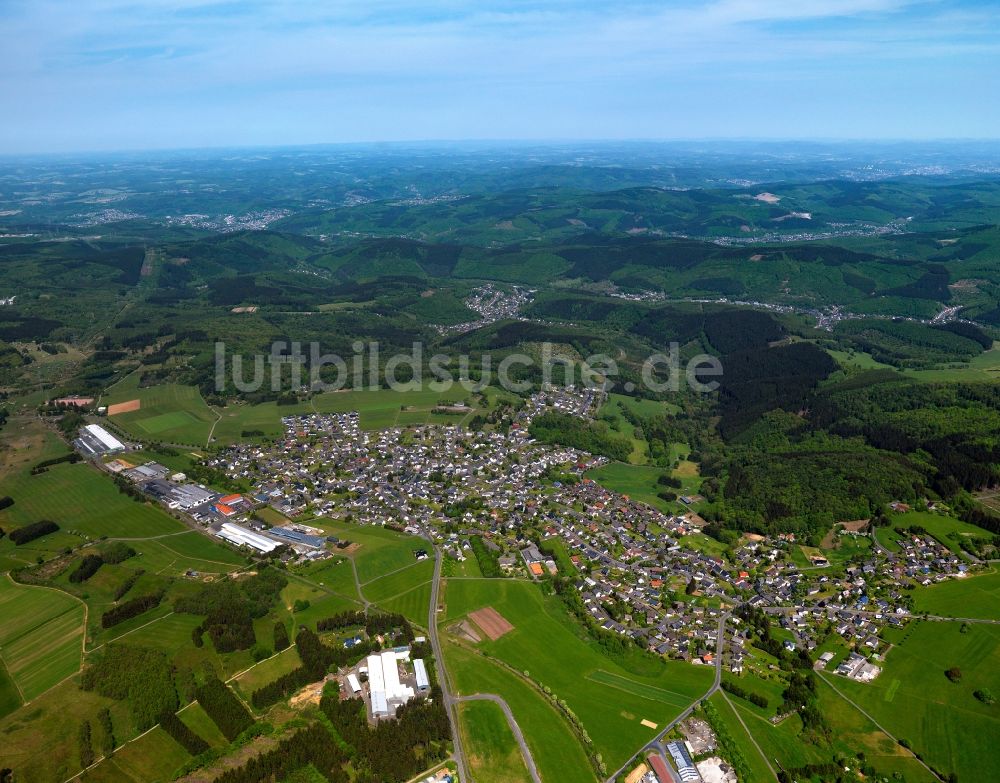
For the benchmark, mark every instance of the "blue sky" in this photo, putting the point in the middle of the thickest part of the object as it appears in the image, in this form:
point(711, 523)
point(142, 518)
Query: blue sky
point(138, 74)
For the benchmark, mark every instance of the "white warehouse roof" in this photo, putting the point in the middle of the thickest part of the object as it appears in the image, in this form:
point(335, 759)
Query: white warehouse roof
point(242, 536)
point(105, 437)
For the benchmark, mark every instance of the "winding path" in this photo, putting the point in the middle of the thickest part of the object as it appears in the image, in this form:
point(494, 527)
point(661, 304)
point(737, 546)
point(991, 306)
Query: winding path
point(529, 762)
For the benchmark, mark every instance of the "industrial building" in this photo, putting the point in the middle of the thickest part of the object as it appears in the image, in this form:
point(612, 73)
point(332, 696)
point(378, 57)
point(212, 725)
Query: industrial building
point(95, 441)
point(182, 496)
point(387, 694)
point(240, 536)
point(682, 760)
point(423, 683)
point(297, 537)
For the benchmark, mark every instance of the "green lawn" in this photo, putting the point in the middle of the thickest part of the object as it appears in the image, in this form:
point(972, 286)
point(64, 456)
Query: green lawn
point(942, 720)
point(41, 636)
point(610, 695)
point(489, 745)
point(636, 481)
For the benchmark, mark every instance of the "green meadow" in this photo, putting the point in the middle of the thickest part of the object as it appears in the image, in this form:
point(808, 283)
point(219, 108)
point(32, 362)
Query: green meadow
point(554, 649)
point(491, 751)
point(554, 747)
point(941, 719)
point(976, 596)
point(167, 412)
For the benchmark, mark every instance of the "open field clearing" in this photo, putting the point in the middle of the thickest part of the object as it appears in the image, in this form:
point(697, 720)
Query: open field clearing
point(153, 757)
point(413, 604)
point(975, 596)
point(40, 739)
point(267, 672)
point(196, 719)
point(395, 584)
point(549, 644)
point(489, 745)
point(554, 747)
point(169, 412)
point(41, 634)
point(942, 720)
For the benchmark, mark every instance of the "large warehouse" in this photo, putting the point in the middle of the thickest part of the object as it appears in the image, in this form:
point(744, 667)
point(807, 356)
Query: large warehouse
point(235, 534)
point(387, 693)
point(95, 441)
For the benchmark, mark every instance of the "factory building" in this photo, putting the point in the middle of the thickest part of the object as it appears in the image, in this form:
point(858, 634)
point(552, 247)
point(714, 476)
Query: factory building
point(235, 534)
point(95, 441)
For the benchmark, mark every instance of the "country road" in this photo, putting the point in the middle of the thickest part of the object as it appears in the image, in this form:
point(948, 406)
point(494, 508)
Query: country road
point(449, 700)
point(656, 744)
point(529, 762)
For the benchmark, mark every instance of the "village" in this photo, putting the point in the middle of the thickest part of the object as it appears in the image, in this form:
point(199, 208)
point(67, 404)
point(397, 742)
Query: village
point(636, 577)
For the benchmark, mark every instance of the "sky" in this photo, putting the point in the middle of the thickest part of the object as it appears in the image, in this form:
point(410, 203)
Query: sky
point(80, 75)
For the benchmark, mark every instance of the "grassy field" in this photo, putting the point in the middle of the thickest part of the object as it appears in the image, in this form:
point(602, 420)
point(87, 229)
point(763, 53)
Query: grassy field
point(549, 644)
point(84, 503)
point(489, 745)
point(167, 412)
point(407, 591)
point(267, 672)
point(555, 749)
point(380, 552)
point(975, 596)
point(41, 634)
point(942, 720)
point(636, 481)
point(40, 740)
point(759, 773)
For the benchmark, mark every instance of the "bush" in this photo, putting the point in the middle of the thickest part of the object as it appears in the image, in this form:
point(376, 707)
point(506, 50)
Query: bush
point(6, 502)
point(954, 674)
point(281, 640)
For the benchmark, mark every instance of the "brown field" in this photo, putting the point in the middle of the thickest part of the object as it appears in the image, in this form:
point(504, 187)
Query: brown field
point(491, 622)
point(124, 407)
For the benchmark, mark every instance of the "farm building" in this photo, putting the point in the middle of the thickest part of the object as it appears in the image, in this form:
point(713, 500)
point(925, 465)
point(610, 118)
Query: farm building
point(352, 681)
point(243, 537)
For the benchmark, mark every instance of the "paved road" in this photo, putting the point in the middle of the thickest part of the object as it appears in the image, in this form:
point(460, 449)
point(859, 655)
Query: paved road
point(529, 762)
point(656, 744)
point(449, 700)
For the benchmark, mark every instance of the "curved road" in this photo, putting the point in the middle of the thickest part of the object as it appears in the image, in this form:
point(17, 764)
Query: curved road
point(529, 762)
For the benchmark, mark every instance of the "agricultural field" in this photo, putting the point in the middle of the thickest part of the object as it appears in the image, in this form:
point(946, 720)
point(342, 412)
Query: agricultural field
point(168, 412)
point(491, 751)
point(41, 636)
point(549, 644)
point(941, 719)
point(976, 596)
